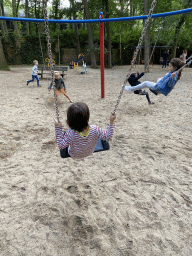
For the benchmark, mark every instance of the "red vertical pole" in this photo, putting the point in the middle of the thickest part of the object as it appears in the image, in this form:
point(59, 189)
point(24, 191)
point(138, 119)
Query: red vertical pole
point(102, 61)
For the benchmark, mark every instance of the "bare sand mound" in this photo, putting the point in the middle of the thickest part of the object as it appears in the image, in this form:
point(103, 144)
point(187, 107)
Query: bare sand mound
point(135, 199)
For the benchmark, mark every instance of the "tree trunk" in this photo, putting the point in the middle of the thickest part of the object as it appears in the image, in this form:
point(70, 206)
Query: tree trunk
point(17, 7)
point(182, 18)
point(120, 34)
point(131, 8)
point(176, 37)
point(27, 16)
point(3, 63)
point(14, 9)
point(91, 44)
point(70, 15)
point(147, 38)
point(36, 15)
point(78, 50)
point(109, 59)
point(3, 22)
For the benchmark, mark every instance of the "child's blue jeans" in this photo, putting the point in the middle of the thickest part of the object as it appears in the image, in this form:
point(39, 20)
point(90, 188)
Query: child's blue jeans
point(33, 78)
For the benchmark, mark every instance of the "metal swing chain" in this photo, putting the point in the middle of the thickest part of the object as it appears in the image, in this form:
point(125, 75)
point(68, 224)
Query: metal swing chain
point(59, 45)
point(136, 52)
point(155, 44)
point(50, 56)
point(139, 55)
point(41, 45)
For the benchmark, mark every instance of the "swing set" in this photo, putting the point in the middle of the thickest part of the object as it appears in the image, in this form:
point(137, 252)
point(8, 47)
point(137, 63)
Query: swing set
point(101, 21)
point(101, 145)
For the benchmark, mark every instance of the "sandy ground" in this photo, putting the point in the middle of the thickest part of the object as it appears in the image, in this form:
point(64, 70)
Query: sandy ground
point(135, 199)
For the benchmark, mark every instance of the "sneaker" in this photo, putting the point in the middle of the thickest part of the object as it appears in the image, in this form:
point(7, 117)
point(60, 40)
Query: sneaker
point(27, 83)
point(39, 85)
point(71, 101)
point(128, 89)
point(151, 103)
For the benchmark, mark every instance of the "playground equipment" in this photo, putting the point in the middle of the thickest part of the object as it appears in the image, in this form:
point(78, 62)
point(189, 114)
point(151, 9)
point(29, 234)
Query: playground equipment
point(101, 21)
point(47, 60)
point(76, 63)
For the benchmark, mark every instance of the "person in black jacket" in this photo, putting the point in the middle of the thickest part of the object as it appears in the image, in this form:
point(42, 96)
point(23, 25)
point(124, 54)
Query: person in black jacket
point(165, 59)
point(134, 80)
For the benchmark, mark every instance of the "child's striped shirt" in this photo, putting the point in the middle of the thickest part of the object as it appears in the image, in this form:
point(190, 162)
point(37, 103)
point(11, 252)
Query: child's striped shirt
point(82, 146)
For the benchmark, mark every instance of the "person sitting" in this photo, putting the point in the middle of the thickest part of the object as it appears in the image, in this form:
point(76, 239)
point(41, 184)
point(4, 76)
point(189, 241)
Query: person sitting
point(81, 139)
point(164, 84)
point(71, 65)
point(134, 80)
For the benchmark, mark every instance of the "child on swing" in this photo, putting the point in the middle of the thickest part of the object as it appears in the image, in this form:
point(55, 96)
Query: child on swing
point(134, 81)
point(165, 84)
point(34, 73)
point(81, 139)
point(60, 86)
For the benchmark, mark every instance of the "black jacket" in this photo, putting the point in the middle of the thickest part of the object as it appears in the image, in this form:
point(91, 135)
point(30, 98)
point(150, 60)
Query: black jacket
point(133, 80)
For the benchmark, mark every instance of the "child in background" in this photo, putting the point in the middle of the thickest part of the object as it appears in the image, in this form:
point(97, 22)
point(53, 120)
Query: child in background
point(165, 84)
point(165, 59)
point(71, 65)
point(84, 66)
point(34, 73)
point(183, 56)
point(80, 140)
point(134, 80)
point(60, 86)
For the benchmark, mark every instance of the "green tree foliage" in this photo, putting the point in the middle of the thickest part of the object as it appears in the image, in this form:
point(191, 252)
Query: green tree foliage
point(176, 32)
point(30, 50)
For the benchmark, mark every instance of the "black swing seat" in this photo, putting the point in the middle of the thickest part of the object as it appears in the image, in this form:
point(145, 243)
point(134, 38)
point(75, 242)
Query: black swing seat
point(156, 92)
point(101, 146)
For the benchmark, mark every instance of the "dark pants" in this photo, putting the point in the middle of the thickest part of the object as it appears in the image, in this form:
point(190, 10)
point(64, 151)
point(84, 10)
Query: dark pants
point(164, 63)
point(140, 92)
point(64, 152)
point(156, 92)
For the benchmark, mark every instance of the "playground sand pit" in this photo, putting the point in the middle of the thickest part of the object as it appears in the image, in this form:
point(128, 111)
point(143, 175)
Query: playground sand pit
point(135, 199)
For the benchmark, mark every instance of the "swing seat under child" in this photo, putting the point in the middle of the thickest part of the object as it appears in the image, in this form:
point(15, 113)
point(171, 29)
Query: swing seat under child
point(101, 146)
point(156, 92)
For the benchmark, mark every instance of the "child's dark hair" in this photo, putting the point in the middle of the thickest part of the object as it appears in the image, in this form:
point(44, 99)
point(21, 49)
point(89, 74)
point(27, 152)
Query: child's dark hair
point(177, 63)
point(131, 77)
point(78, 116)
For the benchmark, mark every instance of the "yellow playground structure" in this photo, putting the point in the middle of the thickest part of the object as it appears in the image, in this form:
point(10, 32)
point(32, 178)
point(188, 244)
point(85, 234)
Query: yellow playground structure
point(76, 65)
point(47, 60)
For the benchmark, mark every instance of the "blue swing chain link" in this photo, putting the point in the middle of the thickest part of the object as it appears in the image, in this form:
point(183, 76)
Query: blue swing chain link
point(50, 56)
point(136, 52)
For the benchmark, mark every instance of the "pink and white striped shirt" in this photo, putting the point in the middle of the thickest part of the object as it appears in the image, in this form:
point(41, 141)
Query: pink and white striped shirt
point(80, 146)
